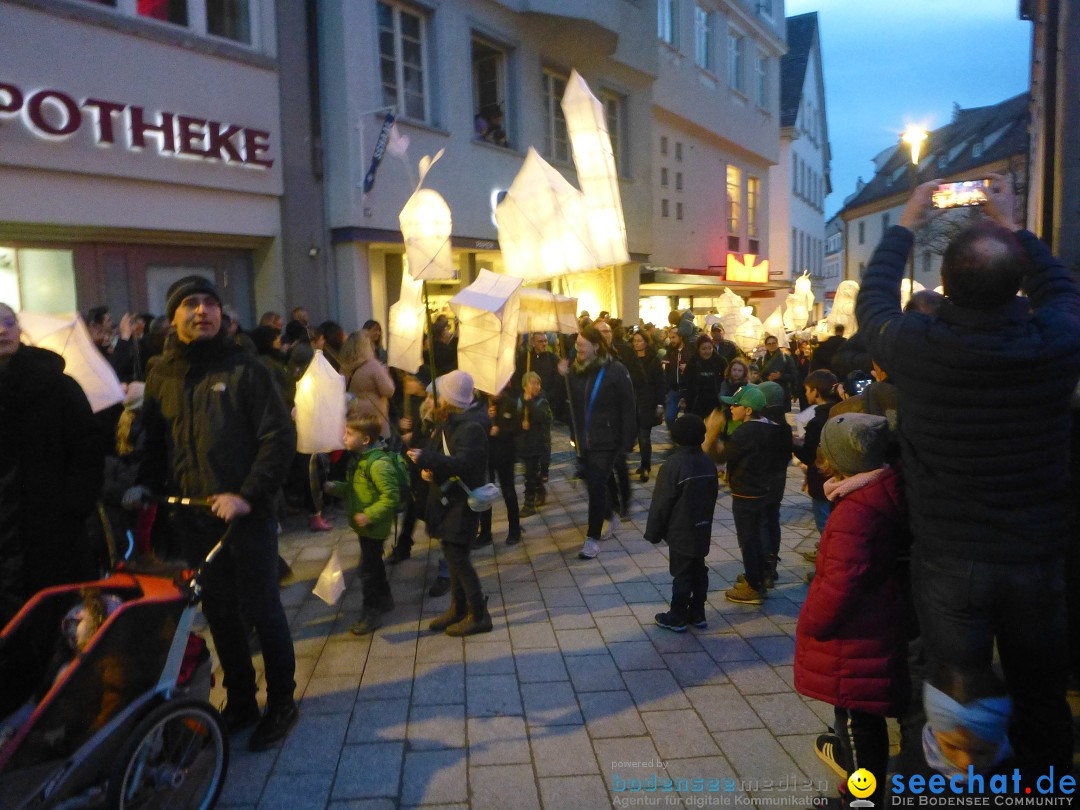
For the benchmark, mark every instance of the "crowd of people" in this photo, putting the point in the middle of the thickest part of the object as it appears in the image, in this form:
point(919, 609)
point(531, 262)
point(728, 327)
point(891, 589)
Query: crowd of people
point(940, 486)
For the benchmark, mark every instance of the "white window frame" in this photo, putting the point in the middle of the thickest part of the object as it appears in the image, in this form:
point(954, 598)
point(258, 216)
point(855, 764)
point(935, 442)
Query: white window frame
point(197, 22)
point(762, 73)
point(734, 201)
point(615, 118)
point(553, 114)
point(502, 69)
point(704, 37)
point(399, 62)
point(736, 62)
point(753, 207)
point(667, 22)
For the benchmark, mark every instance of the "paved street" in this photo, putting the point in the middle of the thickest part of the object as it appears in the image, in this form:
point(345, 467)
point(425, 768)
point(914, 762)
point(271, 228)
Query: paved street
point(574, 695)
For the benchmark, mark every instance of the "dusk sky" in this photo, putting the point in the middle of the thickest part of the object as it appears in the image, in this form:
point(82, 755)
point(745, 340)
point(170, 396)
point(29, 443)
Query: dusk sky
point(890, 63)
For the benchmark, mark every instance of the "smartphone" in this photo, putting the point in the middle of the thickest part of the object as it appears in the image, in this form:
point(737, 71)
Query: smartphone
point(860, 386)
point(963, 193)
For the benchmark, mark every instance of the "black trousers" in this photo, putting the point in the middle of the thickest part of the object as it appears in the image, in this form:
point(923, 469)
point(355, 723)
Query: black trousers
point(864, 743)
point(619, 484)
point(644, 439)
point(464, 581)
point(533, 484)
point(598, 473)
point(240, 589)
point(501, 467)
point(689, 583)
point(372, 572)
point(752, 531)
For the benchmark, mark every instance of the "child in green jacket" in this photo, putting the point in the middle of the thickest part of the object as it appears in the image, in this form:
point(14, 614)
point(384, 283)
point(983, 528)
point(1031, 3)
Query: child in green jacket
point(371, 496)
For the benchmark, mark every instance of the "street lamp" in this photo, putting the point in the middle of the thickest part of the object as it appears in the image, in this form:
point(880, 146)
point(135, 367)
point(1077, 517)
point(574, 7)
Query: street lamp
point(913, 136)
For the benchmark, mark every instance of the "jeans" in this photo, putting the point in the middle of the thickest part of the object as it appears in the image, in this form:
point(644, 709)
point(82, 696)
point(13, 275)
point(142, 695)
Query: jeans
point(372, 571)
point(752, 530)
point(598, 469)
point(689, 584)
point(822, 508)
point(964, 606)
point(645, 446)
point(464, 581)
point(240, 589)
point(671, 408)
point(502, 467)
point(864, 743)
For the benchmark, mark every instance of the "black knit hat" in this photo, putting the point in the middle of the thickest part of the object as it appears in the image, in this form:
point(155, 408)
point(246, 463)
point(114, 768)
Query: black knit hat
point(688, 430)
point(189, 285)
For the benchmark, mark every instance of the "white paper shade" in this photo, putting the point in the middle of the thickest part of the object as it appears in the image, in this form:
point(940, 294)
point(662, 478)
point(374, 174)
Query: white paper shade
point(405, 326)
point(83, 361)
point(320, 408)
point(487, 312)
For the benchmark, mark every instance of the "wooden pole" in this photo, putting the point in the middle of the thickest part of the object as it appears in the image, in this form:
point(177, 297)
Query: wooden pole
point(431, 344)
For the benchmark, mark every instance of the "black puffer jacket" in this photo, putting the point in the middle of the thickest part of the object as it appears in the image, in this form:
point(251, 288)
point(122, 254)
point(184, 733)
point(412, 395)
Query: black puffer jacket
point(612, 424)
point(701, 384)
point(448, 515)
point(537, 439)
point(649, 387)
point(985, 457)
point(214, 422)
point(683, 502)
point(51, 469)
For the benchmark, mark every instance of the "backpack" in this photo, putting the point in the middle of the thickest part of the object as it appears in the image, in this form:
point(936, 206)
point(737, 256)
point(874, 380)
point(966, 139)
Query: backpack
point(401, 475)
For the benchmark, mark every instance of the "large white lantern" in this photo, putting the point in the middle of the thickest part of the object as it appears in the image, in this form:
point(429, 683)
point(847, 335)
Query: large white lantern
point(320, 408)
point(843, 308)
point(405, 326)
point(426, 226)
point(487, 312)
point(748, 333)
point(906, 291)
point(774, 325)
point(68, 337)
point(543, 311)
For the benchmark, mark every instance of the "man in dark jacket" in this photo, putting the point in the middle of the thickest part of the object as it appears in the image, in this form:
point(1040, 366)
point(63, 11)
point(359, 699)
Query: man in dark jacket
point(726, 350)
point(217, 428)
point(778, 367)
point(823, 354)
point(986, 459)
point(681, 512)
point(51, 471)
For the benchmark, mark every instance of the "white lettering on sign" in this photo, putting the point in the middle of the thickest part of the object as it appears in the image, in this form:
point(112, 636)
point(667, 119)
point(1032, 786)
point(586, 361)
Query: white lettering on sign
point(55, 115)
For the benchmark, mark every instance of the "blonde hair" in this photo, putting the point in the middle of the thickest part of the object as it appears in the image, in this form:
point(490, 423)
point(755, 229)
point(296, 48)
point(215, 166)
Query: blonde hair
point(124, 446)
point(530, 376)
point(354, 352)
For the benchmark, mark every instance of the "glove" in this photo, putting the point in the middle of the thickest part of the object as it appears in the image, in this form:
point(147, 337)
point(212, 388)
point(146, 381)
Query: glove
point(135, 497)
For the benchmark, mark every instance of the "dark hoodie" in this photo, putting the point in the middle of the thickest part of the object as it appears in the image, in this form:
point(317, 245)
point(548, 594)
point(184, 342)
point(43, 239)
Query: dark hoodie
point(611, 422)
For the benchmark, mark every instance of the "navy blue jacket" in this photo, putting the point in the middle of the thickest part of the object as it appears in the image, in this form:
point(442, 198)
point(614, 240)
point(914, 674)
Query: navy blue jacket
point(983, 407)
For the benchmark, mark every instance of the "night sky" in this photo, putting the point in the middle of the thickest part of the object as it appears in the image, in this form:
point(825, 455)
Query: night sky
point(891, 63)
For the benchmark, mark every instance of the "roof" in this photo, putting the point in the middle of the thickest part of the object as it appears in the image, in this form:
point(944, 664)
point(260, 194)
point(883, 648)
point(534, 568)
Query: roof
point(801, 30)
point(1001, 130)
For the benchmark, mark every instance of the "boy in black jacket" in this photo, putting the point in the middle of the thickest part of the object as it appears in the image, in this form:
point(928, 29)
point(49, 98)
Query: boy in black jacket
point(750, 453)
point(534, 440)
point(681, 512)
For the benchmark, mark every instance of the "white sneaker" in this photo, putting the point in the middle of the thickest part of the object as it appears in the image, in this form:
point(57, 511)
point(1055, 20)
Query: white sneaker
point(589, 550)
point(613, 525)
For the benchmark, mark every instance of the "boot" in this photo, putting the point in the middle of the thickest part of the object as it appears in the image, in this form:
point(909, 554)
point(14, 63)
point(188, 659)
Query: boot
point(477, 621)
point(529, 509)
point(454, 614)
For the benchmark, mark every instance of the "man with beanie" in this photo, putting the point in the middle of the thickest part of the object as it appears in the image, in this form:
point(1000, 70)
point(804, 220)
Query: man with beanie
point(986, 469)
point(216, 428)
point(681, 512)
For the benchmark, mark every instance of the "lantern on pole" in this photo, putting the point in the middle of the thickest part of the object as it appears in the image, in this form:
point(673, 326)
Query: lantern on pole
point(68, 337)
point(487, 311)
point(908, 286)
point(320, 408)
point(774, 325)
point(748, 333)
point(405, 326)
point(542, 311)
point(426, 226)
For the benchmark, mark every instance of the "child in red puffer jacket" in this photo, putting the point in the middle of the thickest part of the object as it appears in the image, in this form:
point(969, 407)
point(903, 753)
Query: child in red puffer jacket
point(851, 639)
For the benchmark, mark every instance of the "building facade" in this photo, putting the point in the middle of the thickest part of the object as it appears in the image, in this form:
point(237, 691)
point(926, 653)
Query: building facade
point(833, 272)
point(800, 182)
point(977, 142)
point(122, 172)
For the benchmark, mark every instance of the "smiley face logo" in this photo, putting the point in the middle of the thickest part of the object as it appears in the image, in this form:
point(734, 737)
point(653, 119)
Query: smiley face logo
point(861, 783)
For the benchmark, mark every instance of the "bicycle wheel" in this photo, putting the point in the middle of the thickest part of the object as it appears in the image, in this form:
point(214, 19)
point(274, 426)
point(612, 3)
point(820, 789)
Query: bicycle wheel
point(176, 758)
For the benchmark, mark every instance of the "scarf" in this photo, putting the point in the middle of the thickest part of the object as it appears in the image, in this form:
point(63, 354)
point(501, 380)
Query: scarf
point(837, 488)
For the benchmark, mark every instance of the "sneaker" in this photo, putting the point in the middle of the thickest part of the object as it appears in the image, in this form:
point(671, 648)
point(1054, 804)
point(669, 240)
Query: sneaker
point(440, 586)
point(613, 526)
point(397, 555)
point(481, 540)
point(528, 510)
point(317, 523)
point(240, 715)
point(669, 621)
point(369, 622)
point(696, 619)
point(589, 550)
point(810, 556)
point(744, 594)
point(274, 727)
point(513, 537)
point(827, 747)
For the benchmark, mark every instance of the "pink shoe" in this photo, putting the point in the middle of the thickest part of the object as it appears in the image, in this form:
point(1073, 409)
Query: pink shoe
point(317, 523)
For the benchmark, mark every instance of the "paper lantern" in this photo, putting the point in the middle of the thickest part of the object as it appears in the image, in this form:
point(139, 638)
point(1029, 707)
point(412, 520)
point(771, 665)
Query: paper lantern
point(906, 290)
point(710, 319)
point(747, 334)
point(543, 226)
point(594, 159)
point(729, 304)
point(796, 313)
point(805, 287)
point(426, 226)
point(774, 325)
point(487, 313)
point(821, 329)
point(843, 308)
point(320, 408)
point(543, 311)
point(83, 361)
point(405, 326)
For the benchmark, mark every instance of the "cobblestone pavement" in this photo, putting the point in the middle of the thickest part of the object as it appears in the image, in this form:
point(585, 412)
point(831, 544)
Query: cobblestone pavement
point(574, 695)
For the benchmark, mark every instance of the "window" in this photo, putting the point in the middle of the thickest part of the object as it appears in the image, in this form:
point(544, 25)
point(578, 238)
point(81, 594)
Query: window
point(765, 8)
point(229, 19)
point(734, 195)
point(667, 21)
point(678, 150)
point(614, 116)
point(862, 233)
point(977, 149)
point(663, 144)
point(753, 200)
point(795, 174)
point(489, 93)
point(663, 208)
point(802, 251)
point(402, 60)
point(678, 210)
point(171, 11)
point(38, 280)
point(703, 37)
point(762, 79)
point(736, 59)
point(926, 261)
point(678, 181)
point(663, 176)
point(556, 140)
point(884, 222)
point(794, 251)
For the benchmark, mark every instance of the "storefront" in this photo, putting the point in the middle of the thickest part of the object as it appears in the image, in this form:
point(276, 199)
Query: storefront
point(128, 160)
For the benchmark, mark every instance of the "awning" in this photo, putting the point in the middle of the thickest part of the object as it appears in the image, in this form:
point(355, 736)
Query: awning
point(659, 282)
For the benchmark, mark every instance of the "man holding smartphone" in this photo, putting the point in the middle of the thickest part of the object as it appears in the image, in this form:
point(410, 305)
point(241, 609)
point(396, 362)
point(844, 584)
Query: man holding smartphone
point(985, 458)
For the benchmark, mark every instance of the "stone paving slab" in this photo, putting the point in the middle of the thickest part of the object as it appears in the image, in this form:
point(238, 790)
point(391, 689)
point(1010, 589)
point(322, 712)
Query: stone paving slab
point(574, 690)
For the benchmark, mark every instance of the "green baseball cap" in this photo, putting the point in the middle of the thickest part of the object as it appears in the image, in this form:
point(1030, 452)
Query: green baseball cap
point(748, 396)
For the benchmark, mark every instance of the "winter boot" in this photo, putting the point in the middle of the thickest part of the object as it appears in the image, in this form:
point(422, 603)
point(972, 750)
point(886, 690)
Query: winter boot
point(455, 614)
point(477, 621)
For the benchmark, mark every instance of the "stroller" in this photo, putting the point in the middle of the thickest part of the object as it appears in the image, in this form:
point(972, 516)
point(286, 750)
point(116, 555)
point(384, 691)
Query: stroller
point(121, 722)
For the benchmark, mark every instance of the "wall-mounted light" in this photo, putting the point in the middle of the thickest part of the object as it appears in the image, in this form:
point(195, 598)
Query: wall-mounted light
point(313, 251)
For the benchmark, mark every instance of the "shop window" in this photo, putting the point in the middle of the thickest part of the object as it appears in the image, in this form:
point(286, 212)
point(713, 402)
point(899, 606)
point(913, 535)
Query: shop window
point(489, 93)
point(230, 19)
point(37, 279)
point(556, 139)
point(403, 60)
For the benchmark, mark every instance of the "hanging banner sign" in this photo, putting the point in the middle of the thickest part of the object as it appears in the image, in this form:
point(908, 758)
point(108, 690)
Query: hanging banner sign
point(380, 150)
